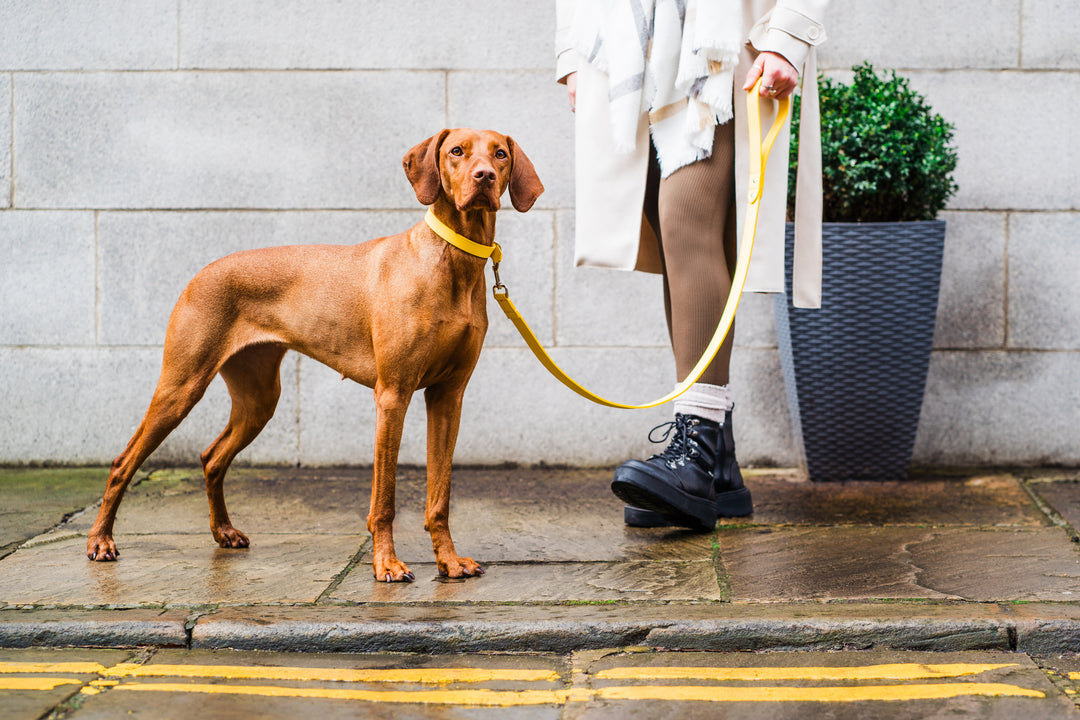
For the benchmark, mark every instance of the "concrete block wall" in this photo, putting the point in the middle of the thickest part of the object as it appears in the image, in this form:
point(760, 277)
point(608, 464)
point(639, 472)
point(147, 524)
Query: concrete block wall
point(139, 141)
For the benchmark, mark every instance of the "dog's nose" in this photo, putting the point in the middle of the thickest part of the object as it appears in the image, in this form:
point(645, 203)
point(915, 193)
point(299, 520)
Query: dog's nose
point(484, 175)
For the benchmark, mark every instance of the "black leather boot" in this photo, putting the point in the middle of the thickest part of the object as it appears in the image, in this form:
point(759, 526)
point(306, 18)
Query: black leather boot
point(692, 482)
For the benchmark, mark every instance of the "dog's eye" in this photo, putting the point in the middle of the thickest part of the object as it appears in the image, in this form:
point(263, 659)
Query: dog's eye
point(501, 154)
point(457, 151)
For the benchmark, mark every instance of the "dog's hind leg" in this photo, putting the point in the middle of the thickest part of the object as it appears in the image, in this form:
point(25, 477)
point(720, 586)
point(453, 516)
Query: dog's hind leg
point(177, 392)
point(253, 377)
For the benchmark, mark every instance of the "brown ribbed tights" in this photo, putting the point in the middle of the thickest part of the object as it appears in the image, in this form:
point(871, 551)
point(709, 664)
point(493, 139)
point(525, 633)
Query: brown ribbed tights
point(692, 212)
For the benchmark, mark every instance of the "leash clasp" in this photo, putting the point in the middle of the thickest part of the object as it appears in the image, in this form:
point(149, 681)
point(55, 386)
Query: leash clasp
point(499, 290)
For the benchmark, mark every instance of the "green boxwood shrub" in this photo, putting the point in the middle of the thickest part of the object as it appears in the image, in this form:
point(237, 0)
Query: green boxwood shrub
point(886, 156)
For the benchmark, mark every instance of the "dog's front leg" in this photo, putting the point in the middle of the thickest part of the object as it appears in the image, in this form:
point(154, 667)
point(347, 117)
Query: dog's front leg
point(390, 407)
point(444, 416)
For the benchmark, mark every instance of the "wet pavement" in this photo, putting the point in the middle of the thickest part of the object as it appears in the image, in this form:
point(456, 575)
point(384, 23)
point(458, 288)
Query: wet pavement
point(967, 564)
point(37, 499)
point(556, 536)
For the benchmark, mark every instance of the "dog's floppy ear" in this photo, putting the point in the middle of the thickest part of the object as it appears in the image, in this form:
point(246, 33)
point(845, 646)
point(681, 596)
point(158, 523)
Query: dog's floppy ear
point(525, 185)
point(422, 168)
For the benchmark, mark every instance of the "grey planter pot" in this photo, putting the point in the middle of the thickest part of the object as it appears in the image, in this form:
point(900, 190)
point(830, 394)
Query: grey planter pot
point(855, 370)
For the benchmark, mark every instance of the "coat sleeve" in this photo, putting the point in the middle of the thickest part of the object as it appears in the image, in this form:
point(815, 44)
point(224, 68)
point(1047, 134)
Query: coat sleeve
point(566, 59)
point(790, 29)
point(793, 28)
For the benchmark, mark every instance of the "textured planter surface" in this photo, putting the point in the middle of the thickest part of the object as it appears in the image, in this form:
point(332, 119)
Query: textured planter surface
point(855, 370)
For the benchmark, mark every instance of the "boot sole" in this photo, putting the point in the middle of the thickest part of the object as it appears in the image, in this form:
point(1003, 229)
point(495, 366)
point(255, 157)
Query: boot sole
point(733, 503)
point(677, 507)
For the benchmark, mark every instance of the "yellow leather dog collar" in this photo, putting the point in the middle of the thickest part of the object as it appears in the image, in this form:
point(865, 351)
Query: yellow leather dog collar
point(460, 241)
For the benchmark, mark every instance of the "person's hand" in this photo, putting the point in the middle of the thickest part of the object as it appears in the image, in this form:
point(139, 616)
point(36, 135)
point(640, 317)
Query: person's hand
point(779, 77)
point(571, 90)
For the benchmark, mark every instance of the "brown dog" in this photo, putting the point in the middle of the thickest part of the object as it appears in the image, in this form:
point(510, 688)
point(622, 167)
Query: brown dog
point(397, 314)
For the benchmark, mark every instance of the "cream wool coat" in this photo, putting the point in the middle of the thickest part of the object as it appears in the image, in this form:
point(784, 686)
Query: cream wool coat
point(609, 183)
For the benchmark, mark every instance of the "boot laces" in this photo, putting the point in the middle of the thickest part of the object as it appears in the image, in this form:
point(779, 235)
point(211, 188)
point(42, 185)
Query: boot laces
point(683, 446)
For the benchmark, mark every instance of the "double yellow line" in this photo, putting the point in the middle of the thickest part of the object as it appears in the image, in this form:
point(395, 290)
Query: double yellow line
point(13, 676)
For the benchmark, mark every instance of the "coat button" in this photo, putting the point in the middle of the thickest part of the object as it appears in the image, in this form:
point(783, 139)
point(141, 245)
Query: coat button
point(814, 33)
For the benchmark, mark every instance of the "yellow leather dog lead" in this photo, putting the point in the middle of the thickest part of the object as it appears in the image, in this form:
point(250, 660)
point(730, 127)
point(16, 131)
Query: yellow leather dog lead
point(759, 155)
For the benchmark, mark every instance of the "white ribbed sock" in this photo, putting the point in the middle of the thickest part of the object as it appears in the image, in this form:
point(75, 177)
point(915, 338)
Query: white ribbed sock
point(707, 401)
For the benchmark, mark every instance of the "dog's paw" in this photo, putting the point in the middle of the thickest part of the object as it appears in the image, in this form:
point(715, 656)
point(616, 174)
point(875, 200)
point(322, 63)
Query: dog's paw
point(101, 548)
point(393, 571)
point(229, 537)
point(458, 567)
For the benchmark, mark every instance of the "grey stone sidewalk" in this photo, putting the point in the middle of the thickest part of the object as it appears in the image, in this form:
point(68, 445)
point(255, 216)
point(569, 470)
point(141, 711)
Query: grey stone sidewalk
point(975, 561)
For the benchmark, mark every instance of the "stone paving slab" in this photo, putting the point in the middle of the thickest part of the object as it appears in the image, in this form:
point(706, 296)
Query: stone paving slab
point(1024, 565)
point(981, 500)
point(260, 500)
point(520, 515)
point(541, 582)
point(1063, 497)
point(502, 515)
point(177, 569)
point(777, 563)
point(37, 499)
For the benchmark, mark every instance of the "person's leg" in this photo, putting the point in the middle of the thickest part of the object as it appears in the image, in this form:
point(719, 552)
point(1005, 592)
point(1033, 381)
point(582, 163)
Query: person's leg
point(694, 216)
point(696, 206)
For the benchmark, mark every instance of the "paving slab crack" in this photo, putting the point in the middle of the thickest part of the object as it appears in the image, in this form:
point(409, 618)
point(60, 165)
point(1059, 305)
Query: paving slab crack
point(916, 573)
point(325, 595)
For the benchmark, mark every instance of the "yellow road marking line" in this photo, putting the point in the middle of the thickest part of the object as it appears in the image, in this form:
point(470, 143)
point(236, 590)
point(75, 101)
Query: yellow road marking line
point(488, 698)
point(35, 683)
point(508, 698)
point(906, 671)
point(816, 694)
point(81, 668)
point(430, 676)
point(479, 697)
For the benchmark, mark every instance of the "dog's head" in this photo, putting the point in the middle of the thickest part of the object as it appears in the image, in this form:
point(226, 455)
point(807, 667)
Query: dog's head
point(472, 168)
